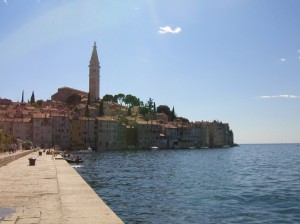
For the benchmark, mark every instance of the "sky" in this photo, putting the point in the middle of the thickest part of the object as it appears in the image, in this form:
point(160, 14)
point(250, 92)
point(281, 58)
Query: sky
point(235, 61)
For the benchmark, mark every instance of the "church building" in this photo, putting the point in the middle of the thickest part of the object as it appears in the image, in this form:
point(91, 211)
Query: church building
point(63, 94)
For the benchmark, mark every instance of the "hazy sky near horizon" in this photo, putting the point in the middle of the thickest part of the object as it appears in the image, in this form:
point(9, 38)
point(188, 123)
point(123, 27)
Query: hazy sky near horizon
point(236, 61)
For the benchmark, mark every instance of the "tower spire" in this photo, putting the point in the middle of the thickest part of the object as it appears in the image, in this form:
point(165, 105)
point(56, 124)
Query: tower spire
point(94, 73)
point(94, 58)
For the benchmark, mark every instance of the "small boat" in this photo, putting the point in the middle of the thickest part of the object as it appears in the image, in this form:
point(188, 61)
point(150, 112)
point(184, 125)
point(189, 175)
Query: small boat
point(154, 147)
point(74, 159)
point(89, 150)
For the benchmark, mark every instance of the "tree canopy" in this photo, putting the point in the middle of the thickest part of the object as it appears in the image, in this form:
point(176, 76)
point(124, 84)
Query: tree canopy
point(32, 99)
point(164, 109)
point(148, 108)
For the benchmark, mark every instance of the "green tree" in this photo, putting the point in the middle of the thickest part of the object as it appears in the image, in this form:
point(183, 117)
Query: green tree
point(32, 99)
point(143, 110)
point(119, 98)
point(150, 105)
point(130, 100)
point(22, 96)
point(164, 109)
point(108, 98)
point(87, 111)
point(101, 109)
point(89, 99)
point(173, 115)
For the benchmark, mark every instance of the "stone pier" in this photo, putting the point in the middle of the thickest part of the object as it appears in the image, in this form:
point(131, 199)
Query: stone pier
point(50, 192)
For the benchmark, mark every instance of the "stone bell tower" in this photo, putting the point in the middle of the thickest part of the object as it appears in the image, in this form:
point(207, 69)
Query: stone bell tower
point(94, 75)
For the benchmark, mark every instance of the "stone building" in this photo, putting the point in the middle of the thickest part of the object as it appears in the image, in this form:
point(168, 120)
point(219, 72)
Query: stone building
point(42, 130)
point(64, 93)
point(110, 133)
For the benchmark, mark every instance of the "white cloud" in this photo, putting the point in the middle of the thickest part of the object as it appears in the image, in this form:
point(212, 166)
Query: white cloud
point(286, 96)
point(168, 29)
point(283, 60)
point(298, 51)
point(5, 1)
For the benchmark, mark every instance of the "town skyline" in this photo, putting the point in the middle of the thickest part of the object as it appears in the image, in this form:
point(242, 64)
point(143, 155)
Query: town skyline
point(232, 61)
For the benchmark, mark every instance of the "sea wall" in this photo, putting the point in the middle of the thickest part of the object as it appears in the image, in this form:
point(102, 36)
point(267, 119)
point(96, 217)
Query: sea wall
point(50, 191)
point(8, 158)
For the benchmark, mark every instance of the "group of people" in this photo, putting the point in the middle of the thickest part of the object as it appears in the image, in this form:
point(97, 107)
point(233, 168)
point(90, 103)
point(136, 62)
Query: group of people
point(12, 148)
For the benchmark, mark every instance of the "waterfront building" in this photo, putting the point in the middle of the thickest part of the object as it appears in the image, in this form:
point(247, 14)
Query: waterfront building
point(42, 130)
point(215, 134)
point(23, 128)
point(148, 134)
point(204, 133)
point(131, 136)
point(196, 136)
point(219, 134)
point(77, 133)
point(89, 132)
point(6, 124)
point(231, 138)
point(185, 134)
point(61, 131)
point(226, 134)
point(110, 133)
point(170, 131)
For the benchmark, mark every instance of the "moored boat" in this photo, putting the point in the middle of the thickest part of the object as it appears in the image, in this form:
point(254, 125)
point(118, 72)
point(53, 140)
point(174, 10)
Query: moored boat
point(73, 160)
point(89, 150)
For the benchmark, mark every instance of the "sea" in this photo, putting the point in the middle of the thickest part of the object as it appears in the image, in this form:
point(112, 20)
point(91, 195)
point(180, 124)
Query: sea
point(244, 184)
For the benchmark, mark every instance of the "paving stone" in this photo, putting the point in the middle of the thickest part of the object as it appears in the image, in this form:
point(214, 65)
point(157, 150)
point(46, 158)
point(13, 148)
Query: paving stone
point(51, 192)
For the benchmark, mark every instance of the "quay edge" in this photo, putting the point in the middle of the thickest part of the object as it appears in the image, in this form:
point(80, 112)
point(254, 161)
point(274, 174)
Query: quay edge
point(51, 191)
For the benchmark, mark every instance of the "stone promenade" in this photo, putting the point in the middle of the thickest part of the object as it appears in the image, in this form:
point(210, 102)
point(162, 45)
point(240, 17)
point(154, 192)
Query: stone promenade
point(49, 192)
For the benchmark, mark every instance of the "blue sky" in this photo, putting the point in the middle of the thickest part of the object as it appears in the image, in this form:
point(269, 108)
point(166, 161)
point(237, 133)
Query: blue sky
point(236, 61)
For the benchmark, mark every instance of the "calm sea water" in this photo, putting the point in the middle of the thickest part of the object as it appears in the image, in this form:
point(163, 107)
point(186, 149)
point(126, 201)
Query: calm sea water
point(246, 184)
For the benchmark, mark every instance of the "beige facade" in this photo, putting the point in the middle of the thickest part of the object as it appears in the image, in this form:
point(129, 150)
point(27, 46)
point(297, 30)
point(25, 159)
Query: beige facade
point(149, 134)
point(23, 128)
point(61, 131)
point(171, 134)
point(42, 130)
point(89, 132)
point(77, 133)
point(6, 124)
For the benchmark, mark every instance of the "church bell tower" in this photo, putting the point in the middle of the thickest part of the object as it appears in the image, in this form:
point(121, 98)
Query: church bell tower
point(94, 75)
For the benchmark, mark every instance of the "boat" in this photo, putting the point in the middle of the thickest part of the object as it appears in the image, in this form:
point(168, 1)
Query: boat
point(89, 150)
point(73, 159)
point(154, 147)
